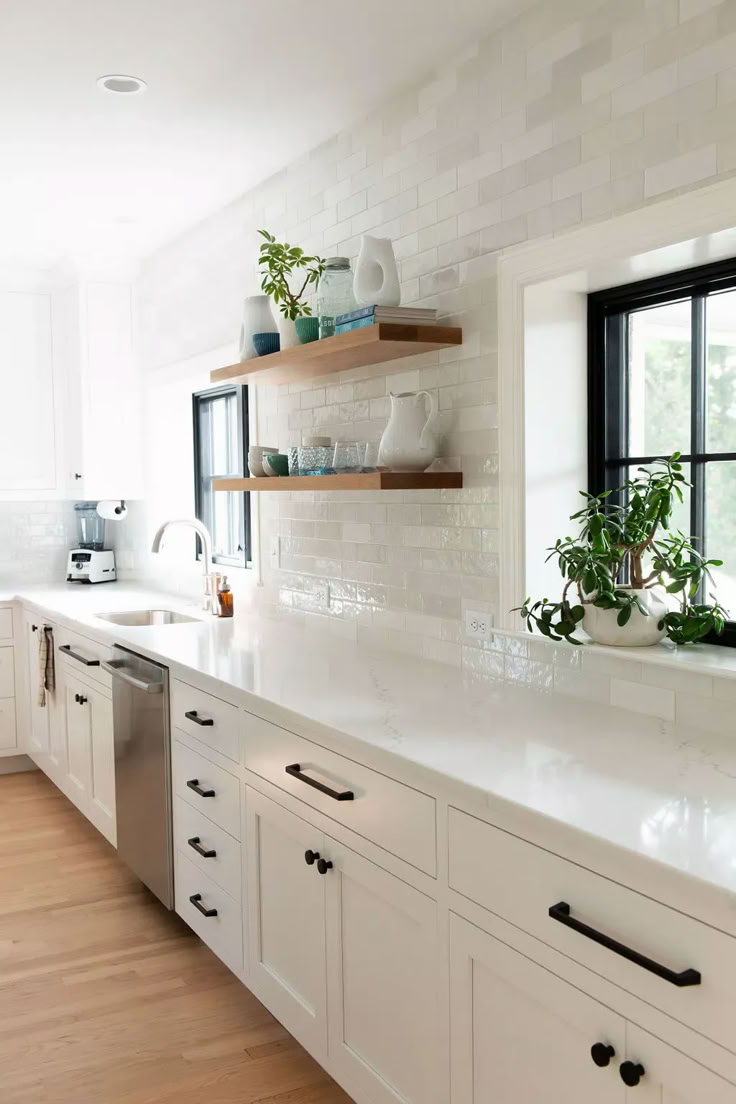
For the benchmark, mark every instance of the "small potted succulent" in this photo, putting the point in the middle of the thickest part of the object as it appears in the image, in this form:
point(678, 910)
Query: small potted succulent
point(278, 261)
point(629, 580)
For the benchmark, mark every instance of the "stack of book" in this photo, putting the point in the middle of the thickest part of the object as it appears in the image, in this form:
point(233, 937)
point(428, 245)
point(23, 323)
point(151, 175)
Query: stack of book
point(369, 316)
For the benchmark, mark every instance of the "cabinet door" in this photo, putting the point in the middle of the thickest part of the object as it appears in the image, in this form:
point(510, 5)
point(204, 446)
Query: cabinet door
point(668, 1076)
point(383, 960)
point(520, 1033)
point(38, 715)
point(286, 919)
point(79, 742)
point(101, 809)
point(28, 438)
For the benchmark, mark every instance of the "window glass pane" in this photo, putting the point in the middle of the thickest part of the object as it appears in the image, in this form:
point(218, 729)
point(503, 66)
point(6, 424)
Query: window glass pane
point(659, 379)
point(720, 528)
point(721, 372)
point(220, 450)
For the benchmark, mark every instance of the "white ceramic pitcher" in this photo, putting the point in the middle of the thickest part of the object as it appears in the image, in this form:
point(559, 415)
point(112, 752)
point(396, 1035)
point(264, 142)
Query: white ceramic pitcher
point(406, 444)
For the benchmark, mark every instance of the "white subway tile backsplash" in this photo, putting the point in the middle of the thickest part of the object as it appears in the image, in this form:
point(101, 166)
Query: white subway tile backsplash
point(566, 112)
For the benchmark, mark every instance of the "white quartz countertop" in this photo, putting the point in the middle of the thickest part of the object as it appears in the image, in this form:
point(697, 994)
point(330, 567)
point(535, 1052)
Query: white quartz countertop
point(663, 792)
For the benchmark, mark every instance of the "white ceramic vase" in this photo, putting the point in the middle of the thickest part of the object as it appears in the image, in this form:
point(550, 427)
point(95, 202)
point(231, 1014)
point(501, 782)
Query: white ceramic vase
point(287, 333)
point(638, 632)
point(376, 275)
point(257, 318)
point(406, 444)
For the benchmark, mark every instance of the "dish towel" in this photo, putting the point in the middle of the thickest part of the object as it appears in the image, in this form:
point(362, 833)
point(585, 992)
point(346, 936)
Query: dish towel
point(46, 668)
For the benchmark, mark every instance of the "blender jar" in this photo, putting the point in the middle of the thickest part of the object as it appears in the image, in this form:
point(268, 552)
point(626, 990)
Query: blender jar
point(91, 526)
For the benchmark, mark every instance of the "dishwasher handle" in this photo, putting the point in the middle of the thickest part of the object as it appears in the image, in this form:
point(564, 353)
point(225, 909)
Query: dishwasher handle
point(116, 668)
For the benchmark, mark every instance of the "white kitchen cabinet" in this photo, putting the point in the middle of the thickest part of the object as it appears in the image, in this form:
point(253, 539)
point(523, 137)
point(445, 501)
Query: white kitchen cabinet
point(383, 965)
point(519, 1033)
point(338, 940)
point(286, 920)
point(90, 752)
point(670, 1077)
point(28, 440)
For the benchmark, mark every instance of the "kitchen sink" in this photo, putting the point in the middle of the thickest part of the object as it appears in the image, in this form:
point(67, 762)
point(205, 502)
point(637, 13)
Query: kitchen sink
point(148, 617)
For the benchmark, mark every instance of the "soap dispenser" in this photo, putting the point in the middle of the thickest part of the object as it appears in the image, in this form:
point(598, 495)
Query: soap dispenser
point(224, 599)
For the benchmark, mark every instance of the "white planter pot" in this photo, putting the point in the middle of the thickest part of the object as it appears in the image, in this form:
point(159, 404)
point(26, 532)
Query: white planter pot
point(257, 318)
point(287, 333)
point(638, 632)
point(376, 275)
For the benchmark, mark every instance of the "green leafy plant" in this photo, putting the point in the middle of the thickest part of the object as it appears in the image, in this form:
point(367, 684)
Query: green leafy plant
point(625, 534)
point(278, 262)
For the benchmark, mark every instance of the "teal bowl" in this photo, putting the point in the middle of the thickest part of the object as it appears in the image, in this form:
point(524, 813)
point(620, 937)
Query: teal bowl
point(276, 462)
point(307, 329)
point(266, 343)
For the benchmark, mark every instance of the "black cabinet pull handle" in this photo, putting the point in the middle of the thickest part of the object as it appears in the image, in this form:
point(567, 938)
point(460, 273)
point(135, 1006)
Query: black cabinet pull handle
point(602, 1053)
point(80, 699)
point(67, 650)
point(310, 857)
point(205, 722)
point(295, 771)
point(631, 1073)
point(194, 842)
point(324, 865)
point(195, 899)
point(193, 784)
point(561, 913)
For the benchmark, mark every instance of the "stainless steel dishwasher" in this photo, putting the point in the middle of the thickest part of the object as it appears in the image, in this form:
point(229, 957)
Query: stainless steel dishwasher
point(140, 701)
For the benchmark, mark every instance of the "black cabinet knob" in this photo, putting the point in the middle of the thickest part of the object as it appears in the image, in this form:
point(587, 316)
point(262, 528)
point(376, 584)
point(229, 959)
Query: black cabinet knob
point(82, 700)
point(631, 1073)
point(602, 1053)
point(76, 698)
point(310, 857)
point(34, 628)
point(324, 865)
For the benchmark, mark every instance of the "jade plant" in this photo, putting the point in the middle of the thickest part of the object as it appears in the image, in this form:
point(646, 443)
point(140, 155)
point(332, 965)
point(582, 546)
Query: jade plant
point(278, 262)
point(625, 544)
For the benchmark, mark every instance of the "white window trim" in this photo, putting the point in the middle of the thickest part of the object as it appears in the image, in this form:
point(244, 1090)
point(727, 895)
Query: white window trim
point(689, 229)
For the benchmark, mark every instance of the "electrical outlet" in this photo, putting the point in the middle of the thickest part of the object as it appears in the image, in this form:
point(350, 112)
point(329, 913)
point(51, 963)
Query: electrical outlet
point(478, 625)
point(321, 594)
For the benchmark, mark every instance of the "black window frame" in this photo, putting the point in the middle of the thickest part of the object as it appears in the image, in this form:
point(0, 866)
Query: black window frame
point(607, 383)
point(240, 391)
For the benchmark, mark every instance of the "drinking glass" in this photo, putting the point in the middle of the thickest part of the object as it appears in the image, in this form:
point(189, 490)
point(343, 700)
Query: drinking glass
point(347, 457)
point(369, 456)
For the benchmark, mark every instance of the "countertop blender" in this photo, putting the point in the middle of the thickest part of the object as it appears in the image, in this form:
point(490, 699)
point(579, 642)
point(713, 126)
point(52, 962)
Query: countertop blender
point(90, 562)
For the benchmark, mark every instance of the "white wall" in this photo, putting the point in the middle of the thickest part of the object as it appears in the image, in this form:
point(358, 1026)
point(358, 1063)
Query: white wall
point(571, 112)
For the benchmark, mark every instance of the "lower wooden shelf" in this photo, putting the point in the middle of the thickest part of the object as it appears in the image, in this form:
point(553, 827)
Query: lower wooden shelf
point(357, 481)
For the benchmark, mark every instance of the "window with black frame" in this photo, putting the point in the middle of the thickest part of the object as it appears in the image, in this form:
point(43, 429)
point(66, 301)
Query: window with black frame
point(221, 451)
point(662, 377)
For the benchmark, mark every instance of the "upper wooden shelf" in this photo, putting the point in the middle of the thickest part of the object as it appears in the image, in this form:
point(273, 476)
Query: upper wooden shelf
point(370, 345)
point(353, 481)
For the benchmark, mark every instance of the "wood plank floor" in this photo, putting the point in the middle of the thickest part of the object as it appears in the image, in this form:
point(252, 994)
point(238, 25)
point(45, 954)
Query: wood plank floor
point(107, 998)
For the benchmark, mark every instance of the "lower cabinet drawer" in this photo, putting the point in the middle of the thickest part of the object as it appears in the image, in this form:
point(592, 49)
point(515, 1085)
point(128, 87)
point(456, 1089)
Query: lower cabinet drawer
point(7, 672)
point(6, 624)
point(596, 921)
point(208, 847)
point(398, 818)
point(206, 787)
point(8, 737)
point(84, 656)
point(211, 912)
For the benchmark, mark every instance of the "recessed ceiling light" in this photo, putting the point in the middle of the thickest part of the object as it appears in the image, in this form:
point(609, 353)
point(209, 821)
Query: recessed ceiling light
point(122, 84)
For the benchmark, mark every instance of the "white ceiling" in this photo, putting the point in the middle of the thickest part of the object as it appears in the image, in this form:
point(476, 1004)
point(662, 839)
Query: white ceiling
point(236, 90)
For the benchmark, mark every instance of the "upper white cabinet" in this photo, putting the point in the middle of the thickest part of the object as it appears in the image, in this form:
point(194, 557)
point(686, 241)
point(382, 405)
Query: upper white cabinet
point(71, 389)
point(28, 429)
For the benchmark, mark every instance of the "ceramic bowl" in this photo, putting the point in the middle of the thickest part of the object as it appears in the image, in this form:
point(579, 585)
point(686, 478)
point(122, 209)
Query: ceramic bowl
point(255, 458)
point(307, 329)
point(276, 463)
point(266, 343)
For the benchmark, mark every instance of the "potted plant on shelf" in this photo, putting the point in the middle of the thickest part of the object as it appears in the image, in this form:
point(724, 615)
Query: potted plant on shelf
point(629, 579)
point(278, 262)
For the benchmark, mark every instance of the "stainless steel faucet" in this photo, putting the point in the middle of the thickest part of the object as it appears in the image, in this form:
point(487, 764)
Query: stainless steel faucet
point(210, 599)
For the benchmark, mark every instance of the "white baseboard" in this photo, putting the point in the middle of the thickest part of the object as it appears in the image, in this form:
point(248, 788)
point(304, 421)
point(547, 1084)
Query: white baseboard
point(14, 764)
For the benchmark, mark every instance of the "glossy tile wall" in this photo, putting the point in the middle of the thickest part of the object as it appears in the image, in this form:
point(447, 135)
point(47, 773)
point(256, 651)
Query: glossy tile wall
point(569, 113)
point(34, 540)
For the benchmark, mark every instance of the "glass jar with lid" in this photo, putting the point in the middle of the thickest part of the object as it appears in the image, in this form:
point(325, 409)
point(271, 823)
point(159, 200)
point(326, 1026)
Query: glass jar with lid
point(334, 294)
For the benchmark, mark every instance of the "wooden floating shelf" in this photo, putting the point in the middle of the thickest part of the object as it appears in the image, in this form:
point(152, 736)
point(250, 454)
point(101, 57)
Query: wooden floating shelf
point(356, 349)
point(358, 481)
